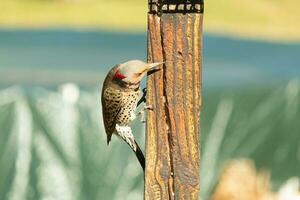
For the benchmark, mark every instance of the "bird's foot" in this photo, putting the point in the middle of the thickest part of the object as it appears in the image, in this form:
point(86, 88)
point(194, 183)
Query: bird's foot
point(148, 107)
point(142, 112)
point(143, 98)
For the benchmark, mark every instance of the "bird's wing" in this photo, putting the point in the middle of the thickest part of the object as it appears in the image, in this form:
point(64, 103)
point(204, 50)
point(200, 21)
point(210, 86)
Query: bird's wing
point(111, 106)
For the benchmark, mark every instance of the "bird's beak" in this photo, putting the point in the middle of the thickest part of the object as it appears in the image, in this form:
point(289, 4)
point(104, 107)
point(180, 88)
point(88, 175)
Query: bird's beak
point(153, 66)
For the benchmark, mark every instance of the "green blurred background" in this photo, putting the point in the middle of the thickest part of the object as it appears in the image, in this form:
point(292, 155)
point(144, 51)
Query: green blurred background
point(54, 55)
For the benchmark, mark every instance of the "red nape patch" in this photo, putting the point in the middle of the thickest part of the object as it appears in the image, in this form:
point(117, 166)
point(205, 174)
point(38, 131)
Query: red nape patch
point(119, 76)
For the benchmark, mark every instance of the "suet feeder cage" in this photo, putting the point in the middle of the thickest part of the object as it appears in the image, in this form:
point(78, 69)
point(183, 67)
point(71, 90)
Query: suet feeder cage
point(176, 6)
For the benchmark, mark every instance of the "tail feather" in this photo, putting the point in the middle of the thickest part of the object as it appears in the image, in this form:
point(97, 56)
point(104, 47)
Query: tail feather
point(125, 133)
point(138, 152)
point(140, 156)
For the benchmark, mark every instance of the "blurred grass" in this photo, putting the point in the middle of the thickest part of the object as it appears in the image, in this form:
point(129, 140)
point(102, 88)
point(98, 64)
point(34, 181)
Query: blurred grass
point(113, 15)
point(52, 148)
point(265, 19)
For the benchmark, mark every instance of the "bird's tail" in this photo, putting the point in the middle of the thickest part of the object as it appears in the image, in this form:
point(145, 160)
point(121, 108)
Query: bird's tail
point(125, 133)
point(137, 150)
point(140, 156)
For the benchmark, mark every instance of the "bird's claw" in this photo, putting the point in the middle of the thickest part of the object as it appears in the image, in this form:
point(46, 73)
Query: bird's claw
point(143, 98)
point(144, 90)
point(148, 107)
point(142, 112)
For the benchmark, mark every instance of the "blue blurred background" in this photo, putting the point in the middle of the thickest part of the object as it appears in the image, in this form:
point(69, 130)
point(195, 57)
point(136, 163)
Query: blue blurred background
point(52, 141)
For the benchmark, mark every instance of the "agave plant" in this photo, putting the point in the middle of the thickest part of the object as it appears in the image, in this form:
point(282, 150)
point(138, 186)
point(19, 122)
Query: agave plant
point(52, 144)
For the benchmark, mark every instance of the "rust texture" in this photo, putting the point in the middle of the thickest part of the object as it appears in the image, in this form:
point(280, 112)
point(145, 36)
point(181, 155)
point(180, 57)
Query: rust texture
point(173, 127)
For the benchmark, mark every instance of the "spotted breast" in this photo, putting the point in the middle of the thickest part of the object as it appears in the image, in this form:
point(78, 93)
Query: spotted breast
point(118, 108)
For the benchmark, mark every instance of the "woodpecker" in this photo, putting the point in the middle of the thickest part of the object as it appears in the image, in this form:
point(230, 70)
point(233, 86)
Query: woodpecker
point(120, 95)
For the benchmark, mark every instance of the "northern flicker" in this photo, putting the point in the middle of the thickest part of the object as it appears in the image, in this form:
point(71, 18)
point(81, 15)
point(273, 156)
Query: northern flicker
point(120, 94)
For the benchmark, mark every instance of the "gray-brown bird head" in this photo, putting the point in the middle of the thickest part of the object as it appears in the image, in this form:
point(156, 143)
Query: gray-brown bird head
point(131, 72)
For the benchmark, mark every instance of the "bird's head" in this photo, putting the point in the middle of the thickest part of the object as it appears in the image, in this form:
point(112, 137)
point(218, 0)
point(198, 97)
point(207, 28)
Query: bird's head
point(133, 71)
